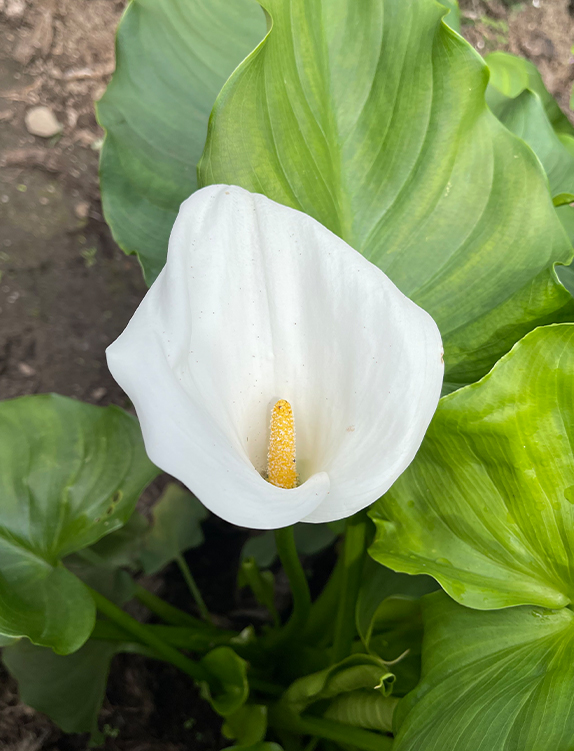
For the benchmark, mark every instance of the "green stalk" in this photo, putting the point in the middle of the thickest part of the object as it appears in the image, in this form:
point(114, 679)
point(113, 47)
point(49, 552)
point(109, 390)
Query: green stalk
point(319, 628)
point(353, 554)
point(165, 611)
point(287, 551)
point(193, 588)
point(144, 635)
point(358, 738)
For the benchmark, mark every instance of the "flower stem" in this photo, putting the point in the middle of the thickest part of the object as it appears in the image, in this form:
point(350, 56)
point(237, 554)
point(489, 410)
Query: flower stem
point(165, 611)
point(285, 542)
point(142, 634)
point(193, 588)
point(353, 553)
point(357, 738)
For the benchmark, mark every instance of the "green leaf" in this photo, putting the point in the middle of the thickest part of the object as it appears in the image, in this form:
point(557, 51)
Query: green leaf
point(389, 621)
point(363, 709)
point(452, 18)
point(511, 75)
point(71, 473)
point(172, 58)
point(498, 681)
point(371, 118)
point(356, 672)
point(123, 547)
point(231, 670)
point(563, 199)
point(247, 725)
point(177, 518)
point(487, 507)
point(525, 116)
point(518, 98)
point(69, 689)
point(378, 584)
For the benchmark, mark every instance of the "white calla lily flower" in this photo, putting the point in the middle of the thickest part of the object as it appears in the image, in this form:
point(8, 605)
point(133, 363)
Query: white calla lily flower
point(259, 303)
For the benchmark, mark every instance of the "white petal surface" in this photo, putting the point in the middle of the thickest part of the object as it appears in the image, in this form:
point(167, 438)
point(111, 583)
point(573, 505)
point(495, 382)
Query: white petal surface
point(259, 302)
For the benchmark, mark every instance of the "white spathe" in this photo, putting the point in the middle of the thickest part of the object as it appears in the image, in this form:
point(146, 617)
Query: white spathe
point(259, 302)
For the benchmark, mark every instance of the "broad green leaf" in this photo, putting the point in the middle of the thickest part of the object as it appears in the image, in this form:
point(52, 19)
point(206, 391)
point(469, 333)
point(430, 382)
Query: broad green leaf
point(498, 681)
point(452, 18)
point(172, 58)
point(356, 672)
point(247, 725)
point(511, 75)
point(525, 116)
point(231, 670)
point(371, 118)
point(378, 584)
point(389, 621)
point(71, 473)
point(177, 518)
point(69, 689)
point(487, 507)
point(111, 581)
point(363, 709)
point(123, 547)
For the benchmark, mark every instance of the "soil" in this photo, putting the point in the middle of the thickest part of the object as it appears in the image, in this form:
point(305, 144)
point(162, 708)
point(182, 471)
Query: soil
point(66, 291)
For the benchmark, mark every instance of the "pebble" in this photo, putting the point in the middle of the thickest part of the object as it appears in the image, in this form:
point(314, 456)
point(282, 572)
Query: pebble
point(82, 209)
point(26, 370)
point(41, 121)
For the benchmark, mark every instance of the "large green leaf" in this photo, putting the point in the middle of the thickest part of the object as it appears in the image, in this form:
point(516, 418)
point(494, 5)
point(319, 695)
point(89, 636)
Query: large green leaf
point(511, 75)
point(499, 681)
point(173, 56)
point(70, 474)
point(518, 98)
point(487, 507)
point(69, 689)
point(177, 518)
point(526, 117)
point(371, 118)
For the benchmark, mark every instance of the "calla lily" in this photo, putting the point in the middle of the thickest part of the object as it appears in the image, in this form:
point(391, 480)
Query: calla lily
point(259, 303)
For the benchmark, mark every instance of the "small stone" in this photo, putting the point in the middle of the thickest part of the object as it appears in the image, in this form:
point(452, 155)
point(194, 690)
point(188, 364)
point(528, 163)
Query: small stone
point(41, 121)
point(82, 209)
point(14, 9)
point(98, 394)
point(26, 370)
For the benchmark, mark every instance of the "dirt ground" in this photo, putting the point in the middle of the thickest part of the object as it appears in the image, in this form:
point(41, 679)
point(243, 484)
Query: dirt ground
point(66, 290)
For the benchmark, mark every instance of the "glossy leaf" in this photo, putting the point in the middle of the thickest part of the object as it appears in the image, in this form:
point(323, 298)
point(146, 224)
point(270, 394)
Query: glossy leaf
point(177, 518)
point(69, 689)
point(231, 671)
point(525, 116)
point(487, 507)
point(378, 584)
point(363, 709)
point(71, 473)
point(401, 157)
point(498, 681)
point(511, 75)
point(356, 672)
point(247, 725)
point(173, 56)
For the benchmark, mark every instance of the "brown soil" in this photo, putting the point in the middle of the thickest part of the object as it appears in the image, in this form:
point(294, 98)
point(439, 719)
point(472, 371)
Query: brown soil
point(66, 291)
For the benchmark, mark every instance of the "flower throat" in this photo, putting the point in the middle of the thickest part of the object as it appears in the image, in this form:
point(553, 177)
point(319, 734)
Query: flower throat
point(281, 467)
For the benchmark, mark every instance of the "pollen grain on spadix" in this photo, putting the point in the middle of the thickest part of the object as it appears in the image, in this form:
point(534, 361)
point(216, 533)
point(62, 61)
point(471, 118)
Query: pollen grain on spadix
point(281, 466)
